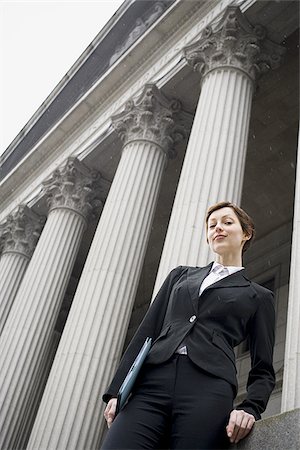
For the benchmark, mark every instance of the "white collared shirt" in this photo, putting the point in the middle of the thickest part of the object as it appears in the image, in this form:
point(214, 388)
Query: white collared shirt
point(217, 272)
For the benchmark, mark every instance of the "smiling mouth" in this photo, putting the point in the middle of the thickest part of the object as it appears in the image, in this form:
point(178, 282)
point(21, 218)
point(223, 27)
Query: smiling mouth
point(220, 236)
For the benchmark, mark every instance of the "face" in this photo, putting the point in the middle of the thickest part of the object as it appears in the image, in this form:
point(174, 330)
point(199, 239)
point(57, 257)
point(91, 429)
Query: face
point(224, 232)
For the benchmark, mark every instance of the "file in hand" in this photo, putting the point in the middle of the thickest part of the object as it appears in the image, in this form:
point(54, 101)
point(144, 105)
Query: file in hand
point(132, 374)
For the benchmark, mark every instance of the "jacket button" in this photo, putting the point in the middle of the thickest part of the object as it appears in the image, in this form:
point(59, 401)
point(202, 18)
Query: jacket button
point(192, 319)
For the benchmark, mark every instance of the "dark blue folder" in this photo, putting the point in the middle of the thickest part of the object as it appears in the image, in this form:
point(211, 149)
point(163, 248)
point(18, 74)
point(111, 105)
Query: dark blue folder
point(132, 374)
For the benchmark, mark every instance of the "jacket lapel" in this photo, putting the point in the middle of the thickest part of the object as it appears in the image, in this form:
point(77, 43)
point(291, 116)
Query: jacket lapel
point(195, 276)
point(237, 279)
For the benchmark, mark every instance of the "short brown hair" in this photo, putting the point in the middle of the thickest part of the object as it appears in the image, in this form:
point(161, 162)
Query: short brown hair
point(245, 220)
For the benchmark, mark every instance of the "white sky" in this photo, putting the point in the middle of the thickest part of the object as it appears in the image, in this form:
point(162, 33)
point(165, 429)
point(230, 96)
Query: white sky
point(39, 42)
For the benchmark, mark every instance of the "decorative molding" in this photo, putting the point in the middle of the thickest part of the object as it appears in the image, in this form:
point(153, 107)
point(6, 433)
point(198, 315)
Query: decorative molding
point(74, 186)
point(234, 42)
point(76, 139)
point(21, 231)
point(140, 26)
point(147, 69)
point(151, 117)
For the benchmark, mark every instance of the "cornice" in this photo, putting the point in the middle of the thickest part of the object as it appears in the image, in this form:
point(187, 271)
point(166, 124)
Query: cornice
point(112, 91)
point(112, 100)
point(65, 80)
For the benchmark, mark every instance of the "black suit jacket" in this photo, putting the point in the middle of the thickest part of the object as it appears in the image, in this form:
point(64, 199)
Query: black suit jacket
point(210, 325)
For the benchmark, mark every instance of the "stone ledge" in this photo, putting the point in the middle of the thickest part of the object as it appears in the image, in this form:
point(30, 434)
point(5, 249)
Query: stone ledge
point(280, 432)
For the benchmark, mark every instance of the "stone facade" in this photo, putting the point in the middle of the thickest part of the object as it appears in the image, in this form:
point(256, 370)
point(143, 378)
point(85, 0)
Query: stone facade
point(198, 104)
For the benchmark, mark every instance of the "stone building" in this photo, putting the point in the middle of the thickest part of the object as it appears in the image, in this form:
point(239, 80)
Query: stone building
point(175, 105)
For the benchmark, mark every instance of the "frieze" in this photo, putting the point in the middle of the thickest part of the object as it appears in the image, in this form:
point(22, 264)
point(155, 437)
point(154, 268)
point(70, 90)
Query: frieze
point(80, 137)
point(110, 104)
point(141, 25)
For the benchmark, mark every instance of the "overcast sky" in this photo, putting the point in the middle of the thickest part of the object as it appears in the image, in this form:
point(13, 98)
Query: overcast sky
point(39, 42)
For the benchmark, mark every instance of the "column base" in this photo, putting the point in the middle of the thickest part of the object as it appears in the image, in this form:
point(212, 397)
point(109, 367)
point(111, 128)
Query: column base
point(274, 433)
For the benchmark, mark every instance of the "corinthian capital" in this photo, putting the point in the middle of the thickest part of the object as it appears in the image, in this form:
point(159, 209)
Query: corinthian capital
point(21, 231)
point(74, 186)
point(234, 42)
point(151, 117)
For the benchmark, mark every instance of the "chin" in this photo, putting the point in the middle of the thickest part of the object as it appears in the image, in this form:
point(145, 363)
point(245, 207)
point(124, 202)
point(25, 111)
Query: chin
point(220, 248)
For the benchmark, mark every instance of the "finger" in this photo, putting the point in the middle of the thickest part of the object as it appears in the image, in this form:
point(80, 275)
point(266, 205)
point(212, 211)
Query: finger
point(238, 421)
point(246, 426)
point(109, 420)
point(231, 423)
point(106, 410)
point(112, 410)
point(250, 424)
point(111, 414)
point(241, 432)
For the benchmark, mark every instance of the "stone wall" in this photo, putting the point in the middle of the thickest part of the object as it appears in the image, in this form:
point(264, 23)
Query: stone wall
point(280, 432)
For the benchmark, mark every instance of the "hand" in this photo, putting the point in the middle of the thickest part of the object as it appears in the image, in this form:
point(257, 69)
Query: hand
point(110, 411)
point(239, 425)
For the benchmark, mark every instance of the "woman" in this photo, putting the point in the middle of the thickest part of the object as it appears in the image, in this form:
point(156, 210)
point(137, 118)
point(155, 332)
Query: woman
point(183, 398)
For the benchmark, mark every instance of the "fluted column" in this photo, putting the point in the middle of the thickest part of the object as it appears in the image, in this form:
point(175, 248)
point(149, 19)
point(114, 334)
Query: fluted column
point(19, 235)
point(44, 371)
point(71, 412)
point(291, 374)
point(27, 332)
point(229, 57)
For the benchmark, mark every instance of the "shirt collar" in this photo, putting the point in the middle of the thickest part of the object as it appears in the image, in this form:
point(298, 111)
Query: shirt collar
point(231, 269)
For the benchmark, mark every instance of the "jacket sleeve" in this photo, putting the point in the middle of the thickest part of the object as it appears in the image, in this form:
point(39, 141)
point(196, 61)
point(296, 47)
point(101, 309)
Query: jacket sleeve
point(149, 327)
point(261, 379)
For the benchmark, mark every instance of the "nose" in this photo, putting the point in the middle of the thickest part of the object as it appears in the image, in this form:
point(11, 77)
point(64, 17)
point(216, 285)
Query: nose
point(219, 227)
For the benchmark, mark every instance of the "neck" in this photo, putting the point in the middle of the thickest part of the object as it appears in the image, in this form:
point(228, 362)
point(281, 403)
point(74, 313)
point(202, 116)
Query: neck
point(230, 260)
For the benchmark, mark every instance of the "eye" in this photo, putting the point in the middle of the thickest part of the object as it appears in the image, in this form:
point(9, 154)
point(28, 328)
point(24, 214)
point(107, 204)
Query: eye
point(212, 226)
point(228, 223)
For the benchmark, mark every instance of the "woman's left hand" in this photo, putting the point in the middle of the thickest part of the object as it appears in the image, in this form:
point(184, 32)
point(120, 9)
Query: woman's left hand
point(239, 425)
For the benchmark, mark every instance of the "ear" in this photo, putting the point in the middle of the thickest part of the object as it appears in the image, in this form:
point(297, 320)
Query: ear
point(247, 236)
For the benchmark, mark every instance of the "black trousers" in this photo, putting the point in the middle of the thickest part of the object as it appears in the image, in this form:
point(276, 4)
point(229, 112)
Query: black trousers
point(174, 406)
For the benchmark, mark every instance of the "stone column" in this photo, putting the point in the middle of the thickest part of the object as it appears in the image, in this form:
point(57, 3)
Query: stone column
point(19, 235)
point(71, 410)
point(229, 57)
point(44, 371)
point(28, 329)
point(291, 373)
